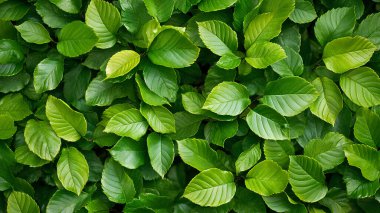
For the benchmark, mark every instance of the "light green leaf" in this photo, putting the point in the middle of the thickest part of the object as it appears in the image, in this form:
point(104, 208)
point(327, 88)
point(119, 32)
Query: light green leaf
point(16, 106)
point(330, 101)
point(159, 118)
point(68, 124)
point(197, 153)
point(161, 152)
point(366, 158)
point(279, 151)
point(228, 61)
point(186, 125)
point(160, 9)
point(105, 20)
point(327, 151)
point(69, 6)
point(365, 129)
point(262, 54)
point(343, 54)
point(289, 95)
point(13, 10)
point(193, 102)
point(72, 170)
point(267, 123)
point(161, 80)
point(116, 183)
point(248, 158)
point(172, 49)
point(41, 139)
point(227, 98)
point(212, 187)
point(129, 153)
point(48, 74)
point(65, 201)
point(335, 23)
point(307, 179)
point(76, 38)
point(33, 32)
point(21, 202)
point(7, 128)
point(216, 132)
point(215, 5)
point(289, 66)
point(128, 123)
point(122, 63)
point(147, 95)
point(267, 178)
point(218, 37)
point(370, 28)
point(24, 156)
point(304, 12)
point(361, 86)
point(52, 15)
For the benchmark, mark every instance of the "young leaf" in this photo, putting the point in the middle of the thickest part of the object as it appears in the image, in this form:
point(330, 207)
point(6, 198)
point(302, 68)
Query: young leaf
point(128, 123)
point(215, 5)
point(290, 95)
point(161, 152)
point(343, 54)
point(248, 158)
point(262, 54)
point(129, 153)
point(68, 124)
point(33, 32)
point(307, 179)
point(105, 20)
point(365, 129)
point(122, 63)
point(217, 186)
point(227, 98)
point(161, 10)
point(267, 178)
point(72, 170)
point(48, 74)
point(21, 202)
point(159, 118)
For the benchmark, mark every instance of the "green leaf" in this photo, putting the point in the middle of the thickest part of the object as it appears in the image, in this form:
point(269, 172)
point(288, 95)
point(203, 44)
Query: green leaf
point(193, 102)
point(41, 139)
point(72, 170)
point(134, 14)
point(75, 90)
point(161, 10)
point(147, 95)
point(262, 28)
point(13, 10)
point(336, 200)
point(370, 28)
point(365, 129)
point(16, 106)
point(290, 95)
point(215, 76)
point(267, 178)
point(304, 12)
point(289, 66)
point(52, 15)
point(186, 125)
point(129, 153)
point(161, 152)
point(366, 158)
point(330, 101)
point(357, 186)
point(48, 74)
point(172, 49)
point(33, 32)
point(216, 132)
point(159, 118)
point(7, 129)
point(68, 124)
point(76, 38)
point(343, 54)
point(283, 203)
point(161, 80)
point(197, 153)
point(267, 123)
point(212, 187)
point(361, 86)
point(24, 156)
point(228, 61)
point(105, 20)
point(14, 83)
point(248, 158)
point(334, 24)
point(21, 202)
point(116, 183)
point(215, 5)
point(262, 54)
point(227, 98)
point(307, 179)
point(279, 151)
point(10, 52)
point(65, 201)
point(10, 69)
point(218, 37)
point(122, 63)
point(327, 151)
point(70, 6)
point(128, 123)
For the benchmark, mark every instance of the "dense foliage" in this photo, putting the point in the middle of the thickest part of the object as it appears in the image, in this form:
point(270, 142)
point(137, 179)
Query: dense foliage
point(189, 106)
